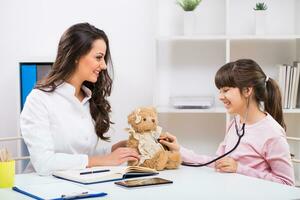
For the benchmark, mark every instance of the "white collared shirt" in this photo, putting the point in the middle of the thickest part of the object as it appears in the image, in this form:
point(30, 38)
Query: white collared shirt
point(58, 130)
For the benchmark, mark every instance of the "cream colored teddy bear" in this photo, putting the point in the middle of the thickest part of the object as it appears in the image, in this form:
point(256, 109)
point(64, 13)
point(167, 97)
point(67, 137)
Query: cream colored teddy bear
point(143, 136)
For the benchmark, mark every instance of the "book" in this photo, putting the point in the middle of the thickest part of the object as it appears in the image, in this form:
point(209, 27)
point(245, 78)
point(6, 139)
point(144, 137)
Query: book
point(287, 86)
point(104, 174)
point(281, 81)
point(297, 63)
point(57, 190)
point(295, 84)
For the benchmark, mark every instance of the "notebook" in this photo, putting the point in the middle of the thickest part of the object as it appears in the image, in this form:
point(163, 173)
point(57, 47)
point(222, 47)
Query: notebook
point(57, 190)
point(104, 174)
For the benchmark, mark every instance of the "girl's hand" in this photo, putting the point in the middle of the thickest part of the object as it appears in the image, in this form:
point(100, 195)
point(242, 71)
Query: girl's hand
point(170, 141)
point(226, 164)
point(117, 157)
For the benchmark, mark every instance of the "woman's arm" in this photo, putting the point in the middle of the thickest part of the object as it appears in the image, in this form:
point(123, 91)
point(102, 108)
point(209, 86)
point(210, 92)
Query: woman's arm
point(35, 129)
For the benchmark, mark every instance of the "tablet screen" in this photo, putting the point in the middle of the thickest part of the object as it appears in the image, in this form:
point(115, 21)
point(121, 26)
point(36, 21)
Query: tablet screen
point(143, 182)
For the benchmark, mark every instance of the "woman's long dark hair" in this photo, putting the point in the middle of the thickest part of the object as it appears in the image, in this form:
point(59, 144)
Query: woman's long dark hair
point(76, 42)
point(245, 73)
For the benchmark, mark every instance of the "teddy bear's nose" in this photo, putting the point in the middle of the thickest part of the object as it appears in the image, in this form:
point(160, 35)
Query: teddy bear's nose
point(153, 120)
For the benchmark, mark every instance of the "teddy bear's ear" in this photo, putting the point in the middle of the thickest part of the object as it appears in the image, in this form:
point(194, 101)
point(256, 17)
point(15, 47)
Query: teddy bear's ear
point(135, 117)
point(138, 117)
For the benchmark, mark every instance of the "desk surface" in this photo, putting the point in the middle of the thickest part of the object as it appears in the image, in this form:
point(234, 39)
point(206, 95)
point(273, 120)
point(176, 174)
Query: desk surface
point(189, 183)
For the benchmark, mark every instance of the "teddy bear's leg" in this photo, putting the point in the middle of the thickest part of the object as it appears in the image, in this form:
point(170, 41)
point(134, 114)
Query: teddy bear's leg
point(158, 161)
point(174, 160)
point(132, 163)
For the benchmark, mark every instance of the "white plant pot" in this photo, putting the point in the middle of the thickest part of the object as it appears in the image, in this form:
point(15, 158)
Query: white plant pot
point(260, 22)
point(189, 22)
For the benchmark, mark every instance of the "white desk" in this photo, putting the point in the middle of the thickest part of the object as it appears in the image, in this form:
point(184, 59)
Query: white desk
point(189, 183)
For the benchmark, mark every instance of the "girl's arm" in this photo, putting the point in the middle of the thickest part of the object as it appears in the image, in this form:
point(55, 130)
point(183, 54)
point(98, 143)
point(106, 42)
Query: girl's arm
point(191, 157)
point(188, 155)
point(277, 154)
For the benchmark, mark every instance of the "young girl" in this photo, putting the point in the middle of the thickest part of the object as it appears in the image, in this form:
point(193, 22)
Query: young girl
point(263, 151)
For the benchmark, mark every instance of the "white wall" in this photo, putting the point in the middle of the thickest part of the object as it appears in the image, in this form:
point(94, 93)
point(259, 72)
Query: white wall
point(30, 30)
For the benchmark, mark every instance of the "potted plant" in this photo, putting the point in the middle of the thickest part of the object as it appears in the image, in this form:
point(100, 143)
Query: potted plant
point(188, 7)
point(260, 18)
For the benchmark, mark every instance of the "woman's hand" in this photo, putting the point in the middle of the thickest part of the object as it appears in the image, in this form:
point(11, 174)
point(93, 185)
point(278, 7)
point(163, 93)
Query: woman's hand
point(121, 155)
point(122, 143)
point(170, 141)
point(226, 164)
point(117, 157)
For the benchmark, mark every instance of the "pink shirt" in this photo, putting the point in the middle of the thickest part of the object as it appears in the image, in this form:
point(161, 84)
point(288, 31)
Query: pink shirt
point(263, 151)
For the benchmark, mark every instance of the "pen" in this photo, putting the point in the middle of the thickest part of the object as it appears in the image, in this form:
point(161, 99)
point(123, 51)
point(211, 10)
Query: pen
point(83, 195)
point(93, 172)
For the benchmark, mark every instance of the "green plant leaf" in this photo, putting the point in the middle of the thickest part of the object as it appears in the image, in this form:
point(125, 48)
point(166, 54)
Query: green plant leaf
point(188, 5)
point(261, 6)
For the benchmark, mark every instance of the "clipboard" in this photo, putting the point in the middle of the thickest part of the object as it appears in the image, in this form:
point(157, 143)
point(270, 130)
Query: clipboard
point(57, 191)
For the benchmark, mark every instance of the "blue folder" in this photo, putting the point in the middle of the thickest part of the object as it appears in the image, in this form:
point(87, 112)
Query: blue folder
point(78, 196)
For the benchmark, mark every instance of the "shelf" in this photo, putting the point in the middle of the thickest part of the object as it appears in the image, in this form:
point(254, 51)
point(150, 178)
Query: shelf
point(165, 109)
point(296, 160)
point(263, 37)
point(293, 110)
point(293, 138)
point(231, 37)
point(168, 109)
point(194, 37)
point(224, 31)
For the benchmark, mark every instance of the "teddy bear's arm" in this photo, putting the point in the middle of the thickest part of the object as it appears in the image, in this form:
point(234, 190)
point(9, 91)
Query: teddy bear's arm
point(132, 142)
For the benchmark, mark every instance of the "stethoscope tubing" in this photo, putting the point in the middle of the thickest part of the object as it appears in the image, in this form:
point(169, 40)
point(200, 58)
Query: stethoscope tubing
point(225, 154)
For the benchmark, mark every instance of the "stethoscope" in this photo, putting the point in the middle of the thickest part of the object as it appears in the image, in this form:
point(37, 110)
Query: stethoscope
point(240, 133)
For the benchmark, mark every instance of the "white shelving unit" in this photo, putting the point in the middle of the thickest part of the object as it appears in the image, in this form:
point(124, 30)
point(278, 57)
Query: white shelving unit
point(225, 31)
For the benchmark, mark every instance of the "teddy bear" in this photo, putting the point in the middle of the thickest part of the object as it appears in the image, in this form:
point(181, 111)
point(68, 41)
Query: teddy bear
point(143, 136)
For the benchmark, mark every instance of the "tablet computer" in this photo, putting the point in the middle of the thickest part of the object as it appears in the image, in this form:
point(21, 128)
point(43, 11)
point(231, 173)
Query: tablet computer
point(143, 182)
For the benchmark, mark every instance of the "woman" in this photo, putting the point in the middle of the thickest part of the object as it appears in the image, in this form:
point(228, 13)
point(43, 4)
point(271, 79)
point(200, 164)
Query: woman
point(67, 113)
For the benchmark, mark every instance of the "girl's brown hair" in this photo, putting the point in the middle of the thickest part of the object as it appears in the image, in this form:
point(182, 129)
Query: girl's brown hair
point(245, 73)
point(76, 42)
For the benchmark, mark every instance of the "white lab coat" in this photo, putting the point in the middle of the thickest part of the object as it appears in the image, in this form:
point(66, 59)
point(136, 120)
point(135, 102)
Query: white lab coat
point(58, 130)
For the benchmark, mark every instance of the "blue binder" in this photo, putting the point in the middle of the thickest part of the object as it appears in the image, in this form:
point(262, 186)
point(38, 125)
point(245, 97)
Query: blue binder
point(28, 78)
point(30, 73)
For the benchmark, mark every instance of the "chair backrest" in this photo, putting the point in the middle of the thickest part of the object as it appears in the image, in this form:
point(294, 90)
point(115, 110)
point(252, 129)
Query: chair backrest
point(23, 159)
